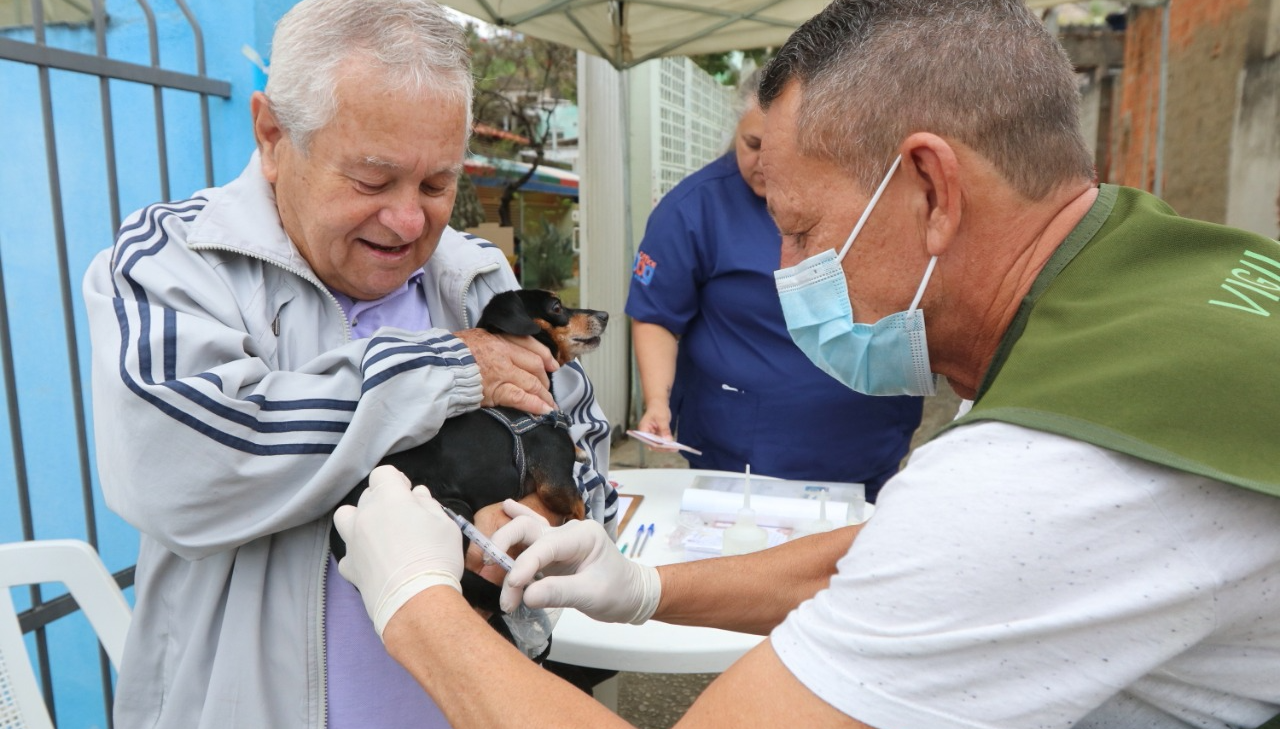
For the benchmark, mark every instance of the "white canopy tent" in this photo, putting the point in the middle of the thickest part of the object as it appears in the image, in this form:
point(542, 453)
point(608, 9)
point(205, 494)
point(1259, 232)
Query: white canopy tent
point(630, 32)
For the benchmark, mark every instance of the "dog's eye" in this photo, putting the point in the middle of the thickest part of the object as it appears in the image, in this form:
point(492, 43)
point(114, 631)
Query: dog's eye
point(556, 308)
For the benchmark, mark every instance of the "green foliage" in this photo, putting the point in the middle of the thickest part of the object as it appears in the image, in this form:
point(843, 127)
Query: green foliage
point(520, 81)
point(717, 65)
point(467, 210)
point(516, 75)
point(546, 257)
point(721, 66)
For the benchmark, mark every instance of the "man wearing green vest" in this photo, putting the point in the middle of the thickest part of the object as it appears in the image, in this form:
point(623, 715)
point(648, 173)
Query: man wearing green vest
point(1095, 543)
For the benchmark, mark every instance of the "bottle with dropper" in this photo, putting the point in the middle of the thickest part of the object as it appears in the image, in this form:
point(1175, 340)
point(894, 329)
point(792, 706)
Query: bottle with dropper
point(745, 536)
point(819, 525)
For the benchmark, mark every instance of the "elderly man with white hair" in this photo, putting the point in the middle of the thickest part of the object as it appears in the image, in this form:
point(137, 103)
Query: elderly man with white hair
point(259, 347)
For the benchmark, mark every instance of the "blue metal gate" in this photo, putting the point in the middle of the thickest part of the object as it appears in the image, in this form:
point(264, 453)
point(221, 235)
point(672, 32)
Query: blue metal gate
point(47, 68)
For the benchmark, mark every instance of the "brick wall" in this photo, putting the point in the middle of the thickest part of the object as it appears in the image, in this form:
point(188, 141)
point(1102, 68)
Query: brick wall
point(1208, 40)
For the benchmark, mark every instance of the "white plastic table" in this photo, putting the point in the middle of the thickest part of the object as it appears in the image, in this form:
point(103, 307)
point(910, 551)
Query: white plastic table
point(654, 647)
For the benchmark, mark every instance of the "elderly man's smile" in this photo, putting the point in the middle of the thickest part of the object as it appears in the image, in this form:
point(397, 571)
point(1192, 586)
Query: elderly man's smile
point(384, 250)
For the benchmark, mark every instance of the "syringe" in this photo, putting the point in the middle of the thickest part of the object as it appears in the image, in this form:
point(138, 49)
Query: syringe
point(529, 627)
point(490, 550)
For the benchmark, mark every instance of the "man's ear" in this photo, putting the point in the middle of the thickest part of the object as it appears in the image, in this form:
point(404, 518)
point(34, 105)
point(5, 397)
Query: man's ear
point(268, 134)
point(932, 163)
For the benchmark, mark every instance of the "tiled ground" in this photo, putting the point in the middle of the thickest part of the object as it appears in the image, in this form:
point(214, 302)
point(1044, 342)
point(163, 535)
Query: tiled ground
point(657, 700)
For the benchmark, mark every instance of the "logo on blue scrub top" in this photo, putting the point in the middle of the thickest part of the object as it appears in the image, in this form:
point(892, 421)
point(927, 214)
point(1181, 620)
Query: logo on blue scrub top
point(644, 268)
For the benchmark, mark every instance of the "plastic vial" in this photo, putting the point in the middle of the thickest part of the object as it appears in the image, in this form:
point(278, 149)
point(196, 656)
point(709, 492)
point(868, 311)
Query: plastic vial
point(745, 536)
point(816, 526)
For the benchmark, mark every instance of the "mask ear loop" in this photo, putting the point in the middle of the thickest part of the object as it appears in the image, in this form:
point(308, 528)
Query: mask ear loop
point(870, 206)
point(920, 291)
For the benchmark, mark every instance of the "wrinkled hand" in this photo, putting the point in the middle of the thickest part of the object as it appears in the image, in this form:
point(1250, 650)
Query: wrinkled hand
point(583, 569)
point(513, 370)
point(657, 420)
point(399, 543)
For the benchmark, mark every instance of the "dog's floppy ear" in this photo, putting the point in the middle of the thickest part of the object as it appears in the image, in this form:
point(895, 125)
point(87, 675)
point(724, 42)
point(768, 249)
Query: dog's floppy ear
point(506, 314)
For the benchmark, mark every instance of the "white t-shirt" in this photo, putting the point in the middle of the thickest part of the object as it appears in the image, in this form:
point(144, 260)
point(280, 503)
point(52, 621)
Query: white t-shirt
point(1014, 578)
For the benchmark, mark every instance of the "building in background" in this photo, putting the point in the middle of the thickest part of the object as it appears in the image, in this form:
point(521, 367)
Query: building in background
point(682, 118)
point(1183, 99)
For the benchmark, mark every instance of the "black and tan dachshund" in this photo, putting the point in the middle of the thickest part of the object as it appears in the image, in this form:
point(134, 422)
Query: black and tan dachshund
point(483, 457)
point(488, 455)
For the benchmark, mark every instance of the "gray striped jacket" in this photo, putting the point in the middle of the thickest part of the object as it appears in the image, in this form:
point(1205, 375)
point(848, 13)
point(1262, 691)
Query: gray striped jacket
point(231, 412)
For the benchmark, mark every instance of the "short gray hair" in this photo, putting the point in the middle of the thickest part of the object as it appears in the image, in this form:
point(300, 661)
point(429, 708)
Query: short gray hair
point(984, 72)
point(415, 41)
point(748, 91)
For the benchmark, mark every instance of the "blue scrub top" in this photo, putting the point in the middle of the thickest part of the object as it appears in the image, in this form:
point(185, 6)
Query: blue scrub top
point(743, 391)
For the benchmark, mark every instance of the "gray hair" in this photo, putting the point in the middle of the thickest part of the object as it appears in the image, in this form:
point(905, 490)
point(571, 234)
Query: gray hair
point(415, 41)
point(983, 72)
point(748, 90)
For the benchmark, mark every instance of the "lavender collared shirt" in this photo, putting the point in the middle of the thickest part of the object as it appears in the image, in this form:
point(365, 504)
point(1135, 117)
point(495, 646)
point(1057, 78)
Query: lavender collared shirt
point(404, 308)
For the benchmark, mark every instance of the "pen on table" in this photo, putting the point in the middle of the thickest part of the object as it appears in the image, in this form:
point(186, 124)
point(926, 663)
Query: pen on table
point(643, 542)
point(635, 542)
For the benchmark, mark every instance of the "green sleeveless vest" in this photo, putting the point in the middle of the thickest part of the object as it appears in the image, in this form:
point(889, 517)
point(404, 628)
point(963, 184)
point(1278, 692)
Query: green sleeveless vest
point(1151, 335)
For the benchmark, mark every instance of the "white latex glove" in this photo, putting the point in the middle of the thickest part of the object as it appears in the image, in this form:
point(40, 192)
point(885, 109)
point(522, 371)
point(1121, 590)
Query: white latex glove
point(583, 569)
point(525, 526)
point(399, 543)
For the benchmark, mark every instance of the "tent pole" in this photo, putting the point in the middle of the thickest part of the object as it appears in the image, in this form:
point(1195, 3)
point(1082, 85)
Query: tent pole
point(1158, 187)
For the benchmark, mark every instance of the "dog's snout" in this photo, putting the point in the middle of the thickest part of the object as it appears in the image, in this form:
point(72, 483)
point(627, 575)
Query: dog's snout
point(603, 316)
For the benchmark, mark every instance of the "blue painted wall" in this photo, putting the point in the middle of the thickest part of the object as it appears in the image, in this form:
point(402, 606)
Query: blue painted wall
point(28, 256)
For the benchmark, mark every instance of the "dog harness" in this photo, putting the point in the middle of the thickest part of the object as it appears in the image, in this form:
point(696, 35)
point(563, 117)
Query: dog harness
point(478, 591)
point(523, 424)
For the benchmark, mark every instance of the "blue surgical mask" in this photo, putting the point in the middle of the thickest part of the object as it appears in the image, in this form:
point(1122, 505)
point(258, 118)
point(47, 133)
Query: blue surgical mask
point(890, 357)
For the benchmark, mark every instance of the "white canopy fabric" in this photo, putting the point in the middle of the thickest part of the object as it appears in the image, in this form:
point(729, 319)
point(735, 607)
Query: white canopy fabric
point(630, 32)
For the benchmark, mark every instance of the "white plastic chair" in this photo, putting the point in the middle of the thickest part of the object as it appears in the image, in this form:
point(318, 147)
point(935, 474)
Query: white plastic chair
point(77, 565)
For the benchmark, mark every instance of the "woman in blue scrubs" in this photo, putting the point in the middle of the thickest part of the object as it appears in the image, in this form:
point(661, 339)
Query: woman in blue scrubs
point(716, 364)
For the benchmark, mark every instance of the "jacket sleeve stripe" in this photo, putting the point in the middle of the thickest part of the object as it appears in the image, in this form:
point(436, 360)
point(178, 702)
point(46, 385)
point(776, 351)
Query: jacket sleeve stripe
point(145, 364)
point(582, 412)
point(263, 403)
point(132, 249)
point(248, 421)
point(312, 404)
point(381, 377)
point(219, 436)
point(453, 343)
point(152, 213)
point(402, 347)
point(591, 484)
point(170, 345)
point(144, 311)
point(151, 218)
